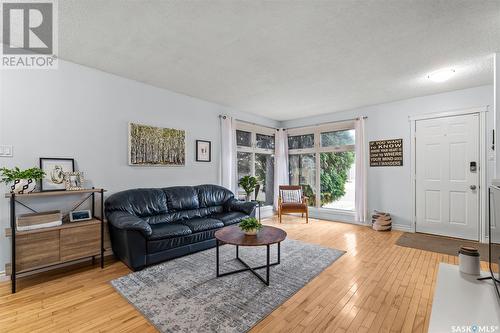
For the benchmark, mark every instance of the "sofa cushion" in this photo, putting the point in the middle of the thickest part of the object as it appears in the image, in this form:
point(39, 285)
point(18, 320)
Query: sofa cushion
point(202, 224)
point(293, 205)
point(183, 215)
point(181, 198)
point(213, 195)
point(229, 218)
point(140, 202)
point(159, 245)
point(168, 230)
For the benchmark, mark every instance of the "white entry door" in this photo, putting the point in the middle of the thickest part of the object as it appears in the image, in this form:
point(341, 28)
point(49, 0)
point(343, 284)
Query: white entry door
point(447, 176)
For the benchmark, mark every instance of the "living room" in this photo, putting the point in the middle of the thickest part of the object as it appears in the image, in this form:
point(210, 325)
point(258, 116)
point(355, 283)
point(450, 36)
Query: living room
point(256, 166)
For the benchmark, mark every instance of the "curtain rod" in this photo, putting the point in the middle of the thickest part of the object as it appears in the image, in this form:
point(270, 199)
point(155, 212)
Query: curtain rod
point(330, 122)
point(248, 122)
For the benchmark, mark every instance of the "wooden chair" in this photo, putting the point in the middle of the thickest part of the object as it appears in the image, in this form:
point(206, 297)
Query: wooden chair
point(292, 207)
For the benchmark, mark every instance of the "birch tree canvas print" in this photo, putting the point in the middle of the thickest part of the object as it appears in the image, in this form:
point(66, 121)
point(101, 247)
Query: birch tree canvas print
point(150, 146)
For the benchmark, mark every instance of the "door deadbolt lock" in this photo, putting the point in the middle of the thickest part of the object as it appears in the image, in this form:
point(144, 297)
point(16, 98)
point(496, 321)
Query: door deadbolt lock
point(473, 166)
point(473, 187)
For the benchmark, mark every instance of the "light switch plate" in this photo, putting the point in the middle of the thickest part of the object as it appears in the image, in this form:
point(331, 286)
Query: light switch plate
point(6, 151)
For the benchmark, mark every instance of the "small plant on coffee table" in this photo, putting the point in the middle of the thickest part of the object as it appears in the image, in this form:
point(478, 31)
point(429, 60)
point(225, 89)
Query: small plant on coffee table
point(250, 226)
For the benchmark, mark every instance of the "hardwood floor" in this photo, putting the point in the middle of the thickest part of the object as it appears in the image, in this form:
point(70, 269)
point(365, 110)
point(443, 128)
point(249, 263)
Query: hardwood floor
point(375, 287)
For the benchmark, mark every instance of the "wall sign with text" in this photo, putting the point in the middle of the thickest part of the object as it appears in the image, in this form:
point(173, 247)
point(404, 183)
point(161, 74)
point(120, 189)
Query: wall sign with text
point(385, 153)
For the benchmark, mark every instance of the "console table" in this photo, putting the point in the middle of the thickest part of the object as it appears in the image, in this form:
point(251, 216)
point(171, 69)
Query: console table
point(37, 249)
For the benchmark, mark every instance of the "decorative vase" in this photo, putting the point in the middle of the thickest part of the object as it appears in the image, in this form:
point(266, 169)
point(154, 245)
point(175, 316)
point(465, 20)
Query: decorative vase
point(251, 232)
point(248, 197)
point(23, 186)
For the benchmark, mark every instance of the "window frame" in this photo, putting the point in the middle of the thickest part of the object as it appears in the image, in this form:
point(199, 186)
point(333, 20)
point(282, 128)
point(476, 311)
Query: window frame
point(318, 149)
point(253, 149)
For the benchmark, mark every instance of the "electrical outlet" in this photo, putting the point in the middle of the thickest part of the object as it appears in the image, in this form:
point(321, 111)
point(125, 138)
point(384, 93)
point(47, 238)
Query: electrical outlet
point(6, 151)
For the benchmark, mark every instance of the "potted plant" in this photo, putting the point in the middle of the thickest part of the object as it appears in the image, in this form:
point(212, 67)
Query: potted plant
point(22, 181)
point(248, 184)
point(250, 226)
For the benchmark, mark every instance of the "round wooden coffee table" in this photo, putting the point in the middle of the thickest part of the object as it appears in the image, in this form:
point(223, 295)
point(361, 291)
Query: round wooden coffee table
point(235, 236)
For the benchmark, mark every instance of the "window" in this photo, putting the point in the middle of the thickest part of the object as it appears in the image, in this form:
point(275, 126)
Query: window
point(264, 171)
point(337, 180)
point(301, 141)
point(337, 138)
point(321, 160)
point(265, 141)
point(303, 172)
point(243, 138)
point(255, 157)
point(244, 164)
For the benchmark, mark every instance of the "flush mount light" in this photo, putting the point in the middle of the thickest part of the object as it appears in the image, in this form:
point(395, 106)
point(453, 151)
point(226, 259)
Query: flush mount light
point(441, 75)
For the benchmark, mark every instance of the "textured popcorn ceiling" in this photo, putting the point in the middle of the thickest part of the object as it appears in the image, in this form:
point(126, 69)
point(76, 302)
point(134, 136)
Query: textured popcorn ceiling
point(285, 59)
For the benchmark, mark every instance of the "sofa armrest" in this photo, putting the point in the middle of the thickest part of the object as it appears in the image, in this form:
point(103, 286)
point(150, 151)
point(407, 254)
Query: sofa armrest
point(247, 207)
point(126, 221)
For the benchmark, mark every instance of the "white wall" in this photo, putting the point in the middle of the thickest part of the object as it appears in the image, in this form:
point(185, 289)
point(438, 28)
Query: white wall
point(79, 112)
point(389, 188)
point(83, 113)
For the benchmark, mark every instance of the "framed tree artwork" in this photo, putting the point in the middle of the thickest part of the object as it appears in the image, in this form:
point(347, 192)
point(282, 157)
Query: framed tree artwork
point(156, 146)
point(203, 151)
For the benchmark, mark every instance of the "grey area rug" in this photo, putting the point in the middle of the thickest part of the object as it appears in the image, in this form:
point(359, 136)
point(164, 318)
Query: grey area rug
point(183, 295)
point(445, 245)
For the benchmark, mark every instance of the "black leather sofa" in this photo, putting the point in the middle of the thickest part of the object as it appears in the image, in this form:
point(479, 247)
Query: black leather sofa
point(148, 226)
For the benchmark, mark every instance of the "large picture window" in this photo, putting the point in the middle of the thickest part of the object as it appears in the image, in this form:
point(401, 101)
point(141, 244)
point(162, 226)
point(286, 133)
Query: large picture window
point(255, 157)
point(321, 160)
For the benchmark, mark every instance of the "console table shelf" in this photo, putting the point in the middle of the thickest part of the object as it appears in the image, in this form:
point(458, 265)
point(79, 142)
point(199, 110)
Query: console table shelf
point(36, 249)
point(55, 193)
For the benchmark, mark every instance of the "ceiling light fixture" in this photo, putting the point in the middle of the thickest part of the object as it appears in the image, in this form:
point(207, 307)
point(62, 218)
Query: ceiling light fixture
point(441, 75)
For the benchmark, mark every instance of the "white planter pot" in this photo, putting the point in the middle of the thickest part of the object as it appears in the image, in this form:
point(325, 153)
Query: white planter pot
point(22, 186)
point(252, 232)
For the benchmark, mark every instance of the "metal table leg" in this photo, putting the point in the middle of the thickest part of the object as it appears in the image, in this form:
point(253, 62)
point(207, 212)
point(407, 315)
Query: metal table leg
point(217, 256)
point(13, 241)
point(267, 266)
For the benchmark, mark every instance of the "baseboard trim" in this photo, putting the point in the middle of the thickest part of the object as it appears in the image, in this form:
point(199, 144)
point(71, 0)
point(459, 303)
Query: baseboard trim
point(402, 227)
point(4, 277)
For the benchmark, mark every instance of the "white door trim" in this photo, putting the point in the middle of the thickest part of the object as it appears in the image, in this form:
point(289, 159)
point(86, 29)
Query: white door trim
point(481, 111)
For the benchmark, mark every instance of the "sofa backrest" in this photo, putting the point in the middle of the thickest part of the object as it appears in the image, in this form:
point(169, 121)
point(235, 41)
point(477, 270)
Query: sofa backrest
point(160, 205)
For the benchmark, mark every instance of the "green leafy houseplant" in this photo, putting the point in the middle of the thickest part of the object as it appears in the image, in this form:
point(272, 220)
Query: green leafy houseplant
point(22, 180)
point(250, 225)
point(248, 184)
point(10, 175)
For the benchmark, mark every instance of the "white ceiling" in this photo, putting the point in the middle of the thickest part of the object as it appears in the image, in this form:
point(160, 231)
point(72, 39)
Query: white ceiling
point(285, 59)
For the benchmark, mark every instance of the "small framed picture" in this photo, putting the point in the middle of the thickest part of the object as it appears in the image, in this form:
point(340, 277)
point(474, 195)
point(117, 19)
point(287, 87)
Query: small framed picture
point(73, 180)
point(54, 172)
point(203, 151)
point(80, 215)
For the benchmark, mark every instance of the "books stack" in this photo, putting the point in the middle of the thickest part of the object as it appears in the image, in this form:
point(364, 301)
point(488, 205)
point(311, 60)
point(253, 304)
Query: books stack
point(381, 221)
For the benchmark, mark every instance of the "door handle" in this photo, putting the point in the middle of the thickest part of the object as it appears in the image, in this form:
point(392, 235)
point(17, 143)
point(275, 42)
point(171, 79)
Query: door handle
point(473, 187)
